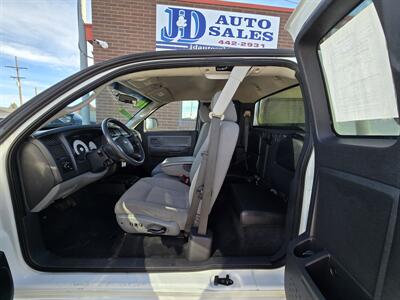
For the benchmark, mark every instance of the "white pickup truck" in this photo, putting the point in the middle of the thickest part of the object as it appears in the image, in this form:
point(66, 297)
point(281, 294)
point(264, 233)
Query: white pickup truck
point(278, 180)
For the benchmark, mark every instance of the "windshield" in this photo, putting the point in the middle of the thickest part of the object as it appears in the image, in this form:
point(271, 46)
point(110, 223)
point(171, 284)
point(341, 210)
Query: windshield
point(111, 101)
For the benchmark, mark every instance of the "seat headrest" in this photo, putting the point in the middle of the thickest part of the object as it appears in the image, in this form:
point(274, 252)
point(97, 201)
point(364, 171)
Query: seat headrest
point(230, 112)
point(204, 113)
point(215, 98)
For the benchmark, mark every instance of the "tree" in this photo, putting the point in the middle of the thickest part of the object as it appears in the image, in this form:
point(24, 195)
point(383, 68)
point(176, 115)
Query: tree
point(13, 105)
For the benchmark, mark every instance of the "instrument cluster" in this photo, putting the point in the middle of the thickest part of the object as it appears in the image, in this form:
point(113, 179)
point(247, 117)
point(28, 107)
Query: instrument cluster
point(81, 148)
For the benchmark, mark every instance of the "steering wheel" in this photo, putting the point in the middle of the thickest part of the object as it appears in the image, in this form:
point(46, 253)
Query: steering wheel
point(128, 148)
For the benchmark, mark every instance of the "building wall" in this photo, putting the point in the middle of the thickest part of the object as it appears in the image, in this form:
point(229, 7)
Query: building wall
point(169, 117)
point(129, 26)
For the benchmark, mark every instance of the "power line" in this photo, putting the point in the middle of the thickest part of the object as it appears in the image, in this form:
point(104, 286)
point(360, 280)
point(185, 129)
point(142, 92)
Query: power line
point(293, 2)
point(18, 78)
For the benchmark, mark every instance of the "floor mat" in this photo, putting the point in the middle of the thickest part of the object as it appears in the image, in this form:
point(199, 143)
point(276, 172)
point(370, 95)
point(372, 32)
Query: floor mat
point(84, 226)
point(79, 228)
point(233, 239)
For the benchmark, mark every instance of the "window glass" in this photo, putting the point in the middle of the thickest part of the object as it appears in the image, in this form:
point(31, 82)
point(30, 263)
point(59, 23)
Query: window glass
point(358, 77)
point(189, 110)
point(174, 116)
point(285, 108)
point(98, 105)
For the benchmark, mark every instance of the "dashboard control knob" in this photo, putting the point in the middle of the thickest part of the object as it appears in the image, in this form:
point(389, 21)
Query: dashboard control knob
point(66, 165)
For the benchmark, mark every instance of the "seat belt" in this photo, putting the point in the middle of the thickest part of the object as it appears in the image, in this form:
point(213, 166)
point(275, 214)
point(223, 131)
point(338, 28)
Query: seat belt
point(246, 129)
point(205, 177)
point(210, 173)
point(246, 116)
point(198, 193)
point(205, 180)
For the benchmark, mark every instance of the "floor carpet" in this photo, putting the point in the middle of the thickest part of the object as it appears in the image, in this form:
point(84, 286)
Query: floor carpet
point(84, 226)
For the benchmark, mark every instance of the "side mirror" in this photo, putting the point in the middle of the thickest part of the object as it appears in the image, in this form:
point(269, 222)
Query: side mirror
point(151, 123)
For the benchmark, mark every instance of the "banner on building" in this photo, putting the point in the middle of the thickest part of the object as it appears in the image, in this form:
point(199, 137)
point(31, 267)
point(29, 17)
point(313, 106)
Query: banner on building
point(192, 28)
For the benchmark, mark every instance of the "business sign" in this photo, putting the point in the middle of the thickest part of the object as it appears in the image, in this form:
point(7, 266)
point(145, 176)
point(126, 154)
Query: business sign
point(191, 28)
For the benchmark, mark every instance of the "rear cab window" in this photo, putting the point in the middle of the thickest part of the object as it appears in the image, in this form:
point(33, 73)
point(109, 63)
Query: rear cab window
point(283, 109)
point(358, 77)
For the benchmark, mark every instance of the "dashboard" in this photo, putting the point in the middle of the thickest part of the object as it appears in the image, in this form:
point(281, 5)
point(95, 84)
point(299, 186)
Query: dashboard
point(57, 162)
point(69, 148)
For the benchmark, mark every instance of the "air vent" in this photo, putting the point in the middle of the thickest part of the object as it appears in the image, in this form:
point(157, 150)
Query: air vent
point(55, 147)
point(50, 141)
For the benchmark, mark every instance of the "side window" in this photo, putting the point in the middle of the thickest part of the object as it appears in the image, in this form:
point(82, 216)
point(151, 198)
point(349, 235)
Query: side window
point(358, 76)
point(285, 108)
point(189, 110)
point(174, 116)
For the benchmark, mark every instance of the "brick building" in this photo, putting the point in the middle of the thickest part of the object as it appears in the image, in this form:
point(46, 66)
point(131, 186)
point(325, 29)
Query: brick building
point(129, 26)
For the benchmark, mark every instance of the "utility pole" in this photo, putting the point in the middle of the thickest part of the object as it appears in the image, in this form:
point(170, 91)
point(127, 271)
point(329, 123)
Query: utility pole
point(85, 111)
point(18, 78)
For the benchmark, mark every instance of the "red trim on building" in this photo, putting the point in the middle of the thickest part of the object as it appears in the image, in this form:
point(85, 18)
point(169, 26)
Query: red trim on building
point(243, 5)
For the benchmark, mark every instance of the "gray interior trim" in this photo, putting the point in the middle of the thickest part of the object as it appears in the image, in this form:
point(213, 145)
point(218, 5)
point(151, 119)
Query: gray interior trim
point(49, 157)
point(68, 187)
point(177, 166)
point(173, 143)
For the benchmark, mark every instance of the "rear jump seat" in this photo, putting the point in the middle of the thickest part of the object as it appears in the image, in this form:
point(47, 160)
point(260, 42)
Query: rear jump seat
point(264, 201)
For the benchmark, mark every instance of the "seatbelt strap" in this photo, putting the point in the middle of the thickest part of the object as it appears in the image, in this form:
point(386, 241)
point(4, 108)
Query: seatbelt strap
point(246, 116)
point(205, 181)
point(236, 77)
point(198, 193)
point(209, 174)
point(229, 90)
point(205, 177)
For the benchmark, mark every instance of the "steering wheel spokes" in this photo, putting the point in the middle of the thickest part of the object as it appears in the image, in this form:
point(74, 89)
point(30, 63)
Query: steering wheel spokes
point(127, 147)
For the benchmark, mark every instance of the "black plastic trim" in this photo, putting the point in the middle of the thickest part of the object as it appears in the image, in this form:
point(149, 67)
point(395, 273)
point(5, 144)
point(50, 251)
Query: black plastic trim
point(366, 157)
point(6, 279)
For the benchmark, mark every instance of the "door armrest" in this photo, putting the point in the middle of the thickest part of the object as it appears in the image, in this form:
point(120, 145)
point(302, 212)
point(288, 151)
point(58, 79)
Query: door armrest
point(177, 166)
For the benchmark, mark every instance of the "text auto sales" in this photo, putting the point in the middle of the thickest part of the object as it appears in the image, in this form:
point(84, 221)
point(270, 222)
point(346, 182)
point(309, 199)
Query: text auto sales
point(256, 34)
point(186, 28)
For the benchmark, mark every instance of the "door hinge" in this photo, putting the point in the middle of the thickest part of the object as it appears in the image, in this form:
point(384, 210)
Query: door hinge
point(222, 280)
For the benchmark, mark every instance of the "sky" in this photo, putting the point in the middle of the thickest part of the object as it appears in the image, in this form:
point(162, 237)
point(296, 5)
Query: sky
point(279, 3)
point(44, 36)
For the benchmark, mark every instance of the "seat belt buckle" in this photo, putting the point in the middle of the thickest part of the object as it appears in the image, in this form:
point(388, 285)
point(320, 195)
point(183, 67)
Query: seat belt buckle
point(185, 179)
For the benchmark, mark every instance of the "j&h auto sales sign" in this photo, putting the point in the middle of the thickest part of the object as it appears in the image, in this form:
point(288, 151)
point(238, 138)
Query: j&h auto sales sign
point(191, 28)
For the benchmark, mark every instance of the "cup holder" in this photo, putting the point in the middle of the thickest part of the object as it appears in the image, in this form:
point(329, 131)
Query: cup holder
point(306, 248)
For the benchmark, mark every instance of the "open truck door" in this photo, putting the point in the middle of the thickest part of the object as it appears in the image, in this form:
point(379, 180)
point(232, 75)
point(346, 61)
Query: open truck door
point(348, 54)
point(6, 281)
